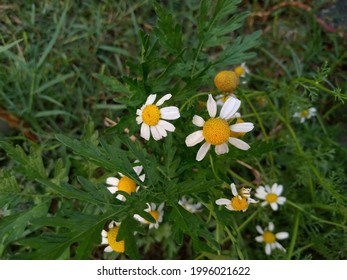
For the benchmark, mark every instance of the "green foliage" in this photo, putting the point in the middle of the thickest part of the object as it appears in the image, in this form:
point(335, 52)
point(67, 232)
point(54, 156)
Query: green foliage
point(69, 69)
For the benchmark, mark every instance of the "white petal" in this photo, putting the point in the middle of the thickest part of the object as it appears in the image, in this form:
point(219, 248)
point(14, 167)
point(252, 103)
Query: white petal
point(169, 113)
point(268, 249)
point(112, 181)
point(194, 138)
point(198, 121)
point(161, 130)
point(260, 195)
point(274, 206)
point(211, 106)
point(150, 99)
point(203, 151)
point(242, 127)
point(139, 218)
point(251, 200)
point(223, 201)
point(268, 189)
point(259, 229)
point(155, 133)
point(264, 203)
point(229, 108)
point(233, 189)
point(271, 226)
point(242, 145)
point(161, 207)
point(229, 207)
point(259, 238)
point(121, 197)
point(168, 126)
point(221, 149)
point(163, 99)
point(281, 200)
point(108, 249)
point(104, 241)
point(279, 246)
point(139, 119)
point(278, 189)
point(142, 177)
point(112, 189)
point(138, 169)
point(104, 233)
point(282, 235)
point(145, 131)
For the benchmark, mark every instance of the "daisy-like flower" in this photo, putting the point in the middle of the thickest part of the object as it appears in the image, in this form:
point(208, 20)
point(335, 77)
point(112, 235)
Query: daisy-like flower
point(189, 205)
point(239, 201)
point(242, 70)
point(125, 183)
point(156, 213)
point(306, 114)
point(153, 118)
point(271, 195)
point(217, 131)
point(269, 238)
point(109, 237)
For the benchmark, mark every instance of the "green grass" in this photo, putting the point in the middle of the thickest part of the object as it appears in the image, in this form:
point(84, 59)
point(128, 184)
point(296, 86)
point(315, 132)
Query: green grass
point(65, 67)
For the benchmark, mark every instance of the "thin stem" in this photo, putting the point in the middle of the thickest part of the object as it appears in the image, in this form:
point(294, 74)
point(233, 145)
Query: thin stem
point(294, 235)
point(193, 97)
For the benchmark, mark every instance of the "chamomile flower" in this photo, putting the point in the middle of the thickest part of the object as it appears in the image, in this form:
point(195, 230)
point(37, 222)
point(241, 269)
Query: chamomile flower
point(125, 183)
point(242, 70)
point(156, 213)
point(226, 81)
point(271, 195)
point(189, 205)
point(270, 239)
point(305, 114)
point(153, 118)
point(109, 237)
point(217, 131)
point(239, 201)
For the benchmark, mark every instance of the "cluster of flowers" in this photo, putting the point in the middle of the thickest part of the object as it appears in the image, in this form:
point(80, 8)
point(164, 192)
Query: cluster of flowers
point(228, 127)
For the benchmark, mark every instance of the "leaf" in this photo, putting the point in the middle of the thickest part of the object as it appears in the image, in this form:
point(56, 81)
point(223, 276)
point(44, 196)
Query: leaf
point(113, 84)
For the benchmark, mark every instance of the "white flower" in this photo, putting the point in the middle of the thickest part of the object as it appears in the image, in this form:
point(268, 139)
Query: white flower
point(306, 114)
point(153, 118)
point(271, 195)
point(189, 205)
point(269, 238)
point(125, 184)
point(156, 214)
point(242, 70)
point(109, 237)
point(217, 131)
point(239, 201)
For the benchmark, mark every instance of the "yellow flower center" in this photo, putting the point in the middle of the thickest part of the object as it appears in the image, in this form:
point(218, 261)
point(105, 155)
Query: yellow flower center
point(237, 134)
point(271, 197)
point(127, 185)
point(154, 214)
point(216, 131)
point(117, 246)
point(269, 237)
point(226, 81)
point(151, 115)
point(304, 114)
point(239, 70)
point(239, 204)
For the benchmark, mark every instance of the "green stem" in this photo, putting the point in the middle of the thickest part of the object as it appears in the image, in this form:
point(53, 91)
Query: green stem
point(213, 169)
point(294, 235)
point(191, 98)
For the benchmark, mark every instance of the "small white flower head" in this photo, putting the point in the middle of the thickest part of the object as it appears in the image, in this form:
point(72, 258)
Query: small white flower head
point(306, 114)
point(125, 183)
point(242, 70)
point(109, 237)
point(189, 205)
point(271, 195)
point(153, 118)
point(156, 213)
point(216, 130)
point(269, 238)
point(240, 200)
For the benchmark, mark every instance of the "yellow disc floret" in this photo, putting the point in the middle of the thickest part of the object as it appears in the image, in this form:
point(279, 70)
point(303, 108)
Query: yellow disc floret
point(216, 131)
point(271, 197)
point(127, 185)
point(117, 246)
point(304, 114)
point(154, 214)
point(239, 203)
point(226, 81)
point(239, 70)
point(269, 237)
point(151, 115)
